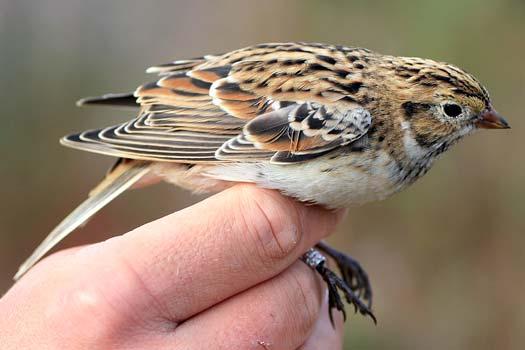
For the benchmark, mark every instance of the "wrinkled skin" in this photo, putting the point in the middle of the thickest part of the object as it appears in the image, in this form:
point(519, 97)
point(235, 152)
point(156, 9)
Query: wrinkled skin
point(222, 274)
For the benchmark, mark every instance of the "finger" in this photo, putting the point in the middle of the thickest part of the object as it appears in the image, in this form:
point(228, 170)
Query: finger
point(324, 335)
point(193, 259)
point(277, 314)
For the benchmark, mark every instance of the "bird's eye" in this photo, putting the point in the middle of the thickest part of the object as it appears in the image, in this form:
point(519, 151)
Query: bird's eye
point(452, 110)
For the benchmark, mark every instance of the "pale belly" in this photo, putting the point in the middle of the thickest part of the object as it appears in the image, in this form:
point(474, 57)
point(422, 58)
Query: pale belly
point(325, 181)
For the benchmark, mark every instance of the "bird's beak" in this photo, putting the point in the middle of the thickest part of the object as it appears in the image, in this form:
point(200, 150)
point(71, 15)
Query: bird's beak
point(490, 119)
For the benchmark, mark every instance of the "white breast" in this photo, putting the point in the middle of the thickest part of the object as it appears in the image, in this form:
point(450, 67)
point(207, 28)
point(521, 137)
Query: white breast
point(332, 182)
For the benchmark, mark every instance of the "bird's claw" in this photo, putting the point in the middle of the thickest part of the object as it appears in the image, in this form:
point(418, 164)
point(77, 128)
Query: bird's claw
point(351, 272)
point(354, 285)
point(335, 286)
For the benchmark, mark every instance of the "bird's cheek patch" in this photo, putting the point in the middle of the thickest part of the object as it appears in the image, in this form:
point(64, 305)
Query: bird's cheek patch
point(429, 131)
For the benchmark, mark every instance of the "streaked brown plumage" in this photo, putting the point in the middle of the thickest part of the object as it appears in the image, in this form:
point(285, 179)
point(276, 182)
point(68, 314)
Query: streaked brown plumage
point(326, 124)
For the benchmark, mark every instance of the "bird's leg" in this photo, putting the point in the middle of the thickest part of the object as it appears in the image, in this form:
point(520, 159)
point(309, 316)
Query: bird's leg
point(335, 284)
point(351, 272)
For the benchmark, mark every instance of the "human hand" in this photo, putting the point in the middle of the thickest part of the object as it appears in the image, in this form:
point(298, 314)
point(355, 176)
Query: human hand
point(222, 274)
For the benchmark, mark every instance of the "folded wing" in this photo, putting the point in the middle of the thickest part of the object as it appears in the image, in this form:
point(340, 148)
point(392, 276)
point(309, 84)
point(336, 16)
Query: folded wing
point(273, 102)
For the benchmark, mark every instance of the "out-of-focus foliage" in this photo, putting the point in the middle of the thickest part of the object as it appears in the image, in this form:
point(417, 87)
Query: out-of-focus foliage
point(446, 257)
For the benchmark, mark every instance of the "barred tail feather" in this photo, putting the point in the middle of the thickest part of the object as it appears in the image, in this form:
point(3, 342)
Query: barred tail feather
point(122, 177)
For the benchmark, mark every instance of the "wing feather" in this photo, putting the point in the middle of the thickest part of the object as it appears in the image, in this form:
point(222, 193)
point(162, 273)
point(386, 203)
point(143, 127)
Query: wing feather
point(280, 102)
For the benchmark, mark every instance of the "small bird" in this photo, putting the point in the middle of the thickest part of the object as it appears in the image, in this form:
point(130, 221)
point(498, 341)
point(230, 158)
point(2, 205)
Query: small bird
point(331, 125)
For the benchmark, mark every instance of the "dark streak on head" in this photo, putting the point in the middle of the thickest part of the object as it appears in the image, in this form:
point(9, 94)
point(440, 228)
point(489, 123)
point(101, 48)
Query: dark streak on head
point(446, 79)
point(412, 108)
point(411, 69)
point(429, 84)
point(404, 74)
point(453, 77)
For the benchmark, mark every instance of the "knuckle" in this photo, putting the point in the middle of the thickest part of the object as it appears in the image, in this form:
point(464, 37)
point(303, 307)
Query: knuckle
point(272, 222)
point(80, 303)
point(107, 298)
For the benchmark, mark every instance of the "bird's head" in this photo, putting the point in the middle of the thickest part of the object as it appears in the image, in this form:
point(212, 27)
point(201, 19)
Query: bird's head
point(440, 103)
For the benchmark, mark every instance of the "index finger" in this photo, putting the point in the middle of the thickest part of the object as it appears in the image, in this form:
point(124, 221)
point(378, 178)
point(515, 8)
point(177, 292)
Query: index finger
point(197, 257)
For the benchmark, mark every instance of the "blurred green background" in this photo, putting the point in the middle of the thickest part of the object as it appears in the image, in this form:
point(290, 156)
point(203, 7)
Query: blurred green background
point(446, 257)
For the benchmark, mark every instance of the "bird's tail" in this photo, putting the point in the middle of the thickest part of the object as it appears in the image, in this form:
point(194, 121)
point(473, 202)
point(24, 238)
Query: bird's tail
point(117, 100)
point(121, 177)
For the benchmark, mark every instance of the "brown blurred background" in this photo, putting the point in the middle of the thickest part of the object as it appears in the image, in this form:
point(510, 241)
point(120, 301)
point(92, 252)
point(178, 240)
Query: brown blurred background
point(446, 257)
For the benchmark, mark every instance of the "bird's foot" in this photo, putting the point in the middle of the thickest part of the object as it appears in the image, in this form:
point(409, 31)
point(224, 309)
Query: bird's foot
point(351, 272)
point(336, 284)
